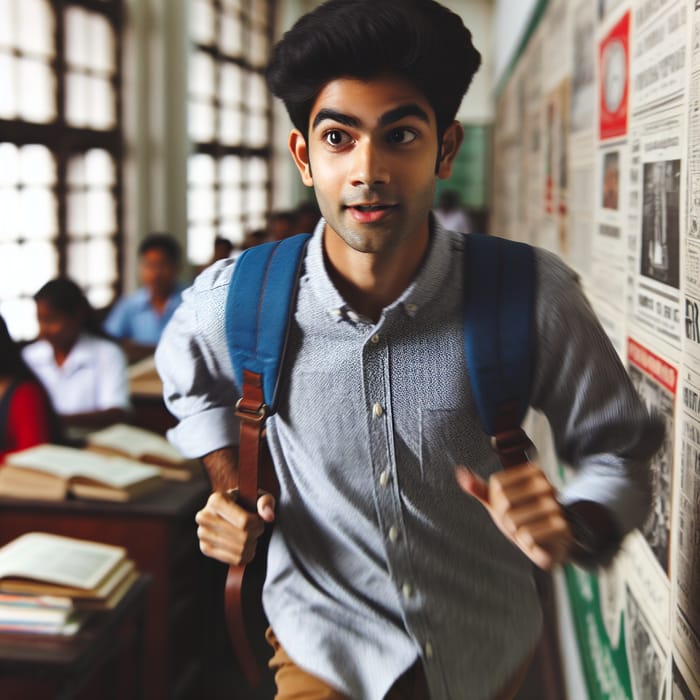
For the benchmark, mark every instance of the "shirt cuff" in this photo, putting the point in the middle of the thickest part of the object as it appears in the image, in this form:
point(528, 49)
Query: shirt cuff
point(626, 500)
point(205, 432)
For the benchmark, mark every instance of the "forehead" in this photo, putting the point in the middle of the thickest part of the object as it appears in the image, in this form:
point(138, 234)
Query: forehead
point(368, 100)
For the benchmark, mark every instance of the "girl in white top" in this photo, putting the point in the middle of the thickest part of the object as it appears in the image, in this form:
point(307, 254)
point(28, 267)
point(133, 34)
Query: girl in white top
point(83, 372)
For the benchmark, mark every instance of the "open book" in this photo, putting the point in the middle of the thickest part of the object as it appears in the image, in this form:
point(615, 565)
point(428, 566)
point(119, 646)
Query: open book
point(144, 446)
point(52, 471)
point(44, 577)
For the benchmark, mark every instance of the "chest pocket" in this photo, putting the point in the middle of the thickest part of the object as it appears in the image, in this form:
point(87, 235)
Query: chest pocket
point(449, 438)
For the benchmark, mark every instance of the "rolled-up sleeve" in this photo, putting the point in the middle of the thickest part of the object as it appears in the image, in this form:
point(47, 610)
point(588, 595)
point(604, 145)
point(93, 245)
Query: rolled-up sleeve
point(193, 363)
point(600, 425)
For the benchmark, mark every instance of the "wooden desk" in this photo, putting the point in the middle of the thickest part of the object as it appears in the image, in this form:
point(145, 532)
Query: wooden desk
point(64, 667)
point(159, 533)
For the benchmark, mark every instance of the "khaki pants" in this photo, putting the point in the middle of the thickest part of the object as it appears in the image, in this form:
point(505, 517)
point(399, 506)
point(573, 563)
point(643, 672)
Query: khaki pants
point(293, 683)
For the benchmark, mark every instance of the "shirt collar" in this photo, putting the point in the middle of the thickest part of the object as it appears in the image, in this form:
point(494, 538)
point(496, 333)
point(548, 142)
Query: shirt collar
point(422, 290)
point(81, 354)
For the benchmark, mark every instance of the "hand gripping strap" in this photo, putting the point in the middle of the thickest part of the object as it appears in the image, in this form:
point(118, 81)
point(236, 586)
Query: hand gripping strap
point(499, 286)
point(260, 303)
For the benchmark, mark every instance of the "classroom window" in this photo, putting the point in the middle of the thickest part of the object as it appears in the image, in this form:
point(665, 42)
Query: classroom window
point(60, 151)
point(229, 122)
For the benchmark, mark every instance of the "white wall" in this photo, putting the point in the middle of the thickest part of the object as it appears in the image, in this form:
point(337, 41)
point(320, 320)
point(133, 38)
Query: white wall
point(511, 18)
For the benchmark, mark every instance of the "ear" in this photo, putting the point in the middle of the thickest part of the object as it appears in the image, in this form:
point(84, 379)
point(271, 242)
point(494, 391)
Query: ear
point(300, 153)
point(451, 141)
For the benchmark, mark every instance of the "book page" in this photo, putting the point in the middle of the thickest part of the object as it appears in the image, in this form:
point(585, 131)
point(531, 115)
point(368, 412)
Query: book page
point(135, 442)
point(61, 560)
point(69, 462)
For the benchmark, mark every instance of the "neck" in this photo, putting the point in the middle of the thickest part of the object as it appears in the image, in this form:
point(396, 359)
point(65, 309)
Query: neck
point(60, 354)
point(370, 282)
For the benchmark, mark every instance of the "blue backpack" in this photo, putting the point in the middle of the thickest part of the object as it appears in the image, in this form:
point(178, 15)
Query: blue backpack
point(499, 284)
point(498, 314)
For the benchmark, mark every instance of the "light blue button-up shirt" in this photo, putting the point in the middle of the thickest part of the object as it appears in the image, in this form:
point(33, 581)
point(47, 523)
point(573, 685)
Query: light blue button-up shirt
point(377, 557)
point(134, 318)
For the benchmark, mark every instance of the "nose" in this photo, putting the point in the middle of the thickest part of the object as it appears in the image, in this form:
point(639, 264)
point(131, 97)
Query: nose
point(369, 167)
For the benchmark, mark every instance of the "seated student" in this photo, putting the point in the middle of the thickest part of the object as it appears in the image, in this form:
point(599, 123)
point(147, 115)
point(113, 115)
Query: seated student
point(26, 415)
point(83, 371)
point(138, 319)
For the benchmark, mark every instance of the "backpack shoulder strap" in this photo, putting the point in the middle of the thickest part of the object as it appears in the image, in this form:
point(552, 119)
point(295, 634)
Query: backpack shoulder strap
point(260, 304)
point(498, 338)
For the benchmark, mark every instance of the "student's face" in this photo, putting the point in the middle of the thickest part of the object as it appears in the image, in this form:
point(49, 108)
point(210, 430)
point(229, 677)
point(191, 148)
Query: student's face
point(59, 329)
point(158, 271)
point(371, 154)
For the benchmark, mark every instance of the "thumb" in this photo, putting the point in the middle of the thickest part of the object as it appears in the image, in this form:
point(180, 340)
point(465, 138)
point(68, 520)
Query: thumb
point(473, 484)
point(266, 507)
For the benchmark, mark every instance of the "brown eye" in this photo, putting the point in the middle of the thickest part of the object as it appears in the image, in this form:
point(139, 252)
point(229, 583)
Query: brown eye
point(401, 136)
point(336, 137)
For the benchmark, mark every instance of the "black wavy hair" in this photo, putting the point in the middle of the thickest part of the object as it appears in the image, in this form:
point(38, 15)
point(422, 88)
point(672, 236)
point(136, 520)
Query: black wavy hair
point(420, 41)
point(163, 242)
point(64, 295)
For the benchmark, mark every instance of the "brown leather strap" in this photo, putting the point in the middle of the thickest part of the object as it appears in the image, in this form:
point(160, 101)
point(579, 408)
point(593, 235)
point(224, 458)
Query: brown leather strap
point(511, 442)
point(252, 412)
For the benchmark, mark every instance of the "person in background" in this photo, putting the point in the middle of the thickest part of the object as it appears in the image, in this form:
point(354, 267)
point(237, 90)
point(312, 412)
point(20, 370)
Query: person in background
point(83, 372)
point(26, 415)
point(451, 214)
point(138, 320)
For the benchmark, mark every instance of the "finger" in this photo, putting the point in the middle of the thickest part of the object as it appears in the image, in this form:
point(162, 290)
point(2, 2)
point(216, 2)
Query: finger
point(222, 506)
point(266, 507)
point(511, 496)
point(473, 485)
point(532, 511)
point(546, 542)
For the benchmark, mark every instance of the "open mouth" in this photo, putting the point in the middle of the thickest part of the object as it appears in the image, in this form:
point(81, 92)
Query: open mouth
point(371, 207)
point(370, 213)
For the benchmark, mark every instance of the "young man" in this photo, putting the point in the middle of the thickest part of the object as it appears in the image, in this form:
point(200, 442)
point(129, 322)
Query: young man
point(385, 579)
point(138, 320)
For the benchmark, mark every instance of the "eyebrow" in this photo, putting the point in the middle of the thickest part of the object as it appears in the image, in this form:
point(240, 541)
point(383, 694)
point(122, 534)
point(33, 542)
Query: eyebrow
point(393, 115)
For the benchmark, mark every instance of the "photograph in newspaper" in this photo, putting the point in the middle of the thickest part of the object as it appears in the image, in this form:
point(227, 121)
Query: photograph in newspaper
point(687, 523)
point(645, 654)
point(614, 88)
point(660, 222)
point(611, 180)
point(655, 381)
point(657, 187)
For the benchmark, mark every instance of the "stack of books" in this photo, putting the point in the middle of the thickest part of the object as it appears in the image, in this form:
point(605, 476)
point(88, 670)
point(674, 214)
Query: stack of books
point(51, 585)
point(52, 472)
point(144, 446)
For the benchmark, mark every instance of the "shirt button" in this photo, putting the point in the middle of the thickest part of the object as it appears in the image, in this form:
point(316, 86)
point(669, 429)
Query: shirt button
point(411, 308)
point(377, 410)
point(375, 338)
point(393, 533)
point(407, 590)
point(384, 478)
point(428, 650)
